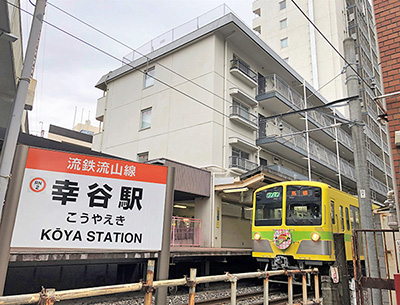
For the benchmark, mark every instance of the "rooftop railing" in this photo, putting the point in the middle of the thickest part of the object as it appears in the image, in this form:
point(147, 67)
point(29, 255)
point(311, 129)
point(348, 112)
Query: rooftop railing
point(177, 33)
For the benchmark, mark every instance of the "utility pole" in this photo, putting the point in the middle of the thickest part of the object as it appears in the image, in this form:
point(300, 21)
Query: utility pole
point(11, 137)
point(360, 160)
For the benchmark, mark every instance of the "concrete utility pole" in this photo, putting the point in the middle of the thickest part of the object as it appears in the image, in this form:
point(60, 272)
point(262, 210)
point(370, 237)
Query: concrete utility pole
point(11, 137)
point(360, 160)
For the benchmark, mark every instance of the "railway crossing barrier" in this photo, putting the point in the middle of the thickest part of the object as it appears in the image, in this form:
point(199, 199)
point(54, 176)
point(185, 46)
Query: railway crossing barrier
point(50, 296)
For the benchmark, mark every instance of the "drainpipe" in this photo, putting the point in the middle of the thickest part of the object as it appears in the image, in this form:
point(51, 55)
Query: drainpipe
point(313, 45)
point(337, 152)
point(105, 109)
point(225, 98)
point(307, 133)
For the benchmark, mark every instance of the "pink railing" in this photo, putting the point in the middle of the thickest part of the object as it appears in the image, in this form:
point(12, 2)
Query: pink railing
point(185, 232)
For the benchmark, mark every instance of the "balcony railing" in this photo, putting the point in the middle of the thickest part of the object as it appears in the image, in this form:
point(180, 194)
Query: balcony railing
point(275, 83)
point(241, 163)
point(236, 63)
point(378, 186)
point(185, 232)
point(317, 151)
point(243, 114)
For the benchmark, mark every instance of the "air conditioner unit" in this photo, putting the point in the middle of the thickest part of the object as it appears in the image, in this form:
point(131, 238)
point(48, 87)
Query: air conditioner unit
point(397, 138)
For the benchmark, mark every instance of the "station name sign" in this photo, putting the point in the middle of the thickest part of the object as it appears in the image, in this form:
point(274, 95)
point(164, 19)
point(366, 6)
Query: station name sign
point(83, 202)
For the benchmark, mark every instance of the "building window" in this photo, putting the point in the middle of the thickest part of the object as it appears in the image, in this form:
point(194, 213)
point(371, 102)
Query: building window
point(282, 5)
point(145, 118)
point(240, 154)
point(283, 23)
point(143, 157)
point(149, 77)
point(284, 43)
point(240, 110)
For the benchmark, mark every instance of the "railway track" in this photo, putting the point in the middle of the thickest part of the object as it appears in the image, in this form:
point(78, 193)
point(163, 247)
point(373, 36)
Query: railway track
point(246, 296)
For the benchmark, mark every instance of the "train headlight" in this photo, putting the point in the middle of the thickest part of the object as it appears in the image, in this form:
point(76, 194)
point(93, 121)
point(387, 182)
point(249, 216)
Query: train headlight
point(315, 236)
point(257, 236)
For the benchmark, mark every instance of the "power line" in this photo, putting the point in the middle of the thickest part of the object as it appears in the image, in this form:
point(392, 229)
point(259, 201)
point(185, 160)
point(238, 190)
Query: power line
point(327, 40)
point(158, 63)
point(136, 51)
point(116, 58)
point(157, 79)
point(280, 115)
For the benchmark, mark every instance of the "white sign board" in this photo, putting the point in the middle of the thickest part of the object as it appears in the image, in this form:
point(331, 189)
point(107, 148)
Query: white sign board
point(84, 202)
point(398, 249)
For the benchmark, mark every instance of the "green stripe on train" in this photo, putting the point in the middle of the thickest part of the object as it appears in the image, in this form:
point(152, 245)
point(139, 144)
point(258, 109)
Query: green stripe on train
point(300, 235)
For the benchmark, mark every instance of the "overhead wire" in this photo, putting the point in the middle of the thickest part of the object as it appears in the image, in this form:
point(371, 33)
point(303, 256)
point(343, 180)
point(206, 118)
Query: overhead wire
point(117, 59)
point(156, 62)
point(330, 44)
point(136, 51)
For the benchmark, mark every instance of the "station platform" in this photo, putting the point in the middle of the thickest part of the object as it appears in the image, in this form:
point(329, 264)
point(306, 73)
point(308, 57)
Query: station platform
point(32, 256)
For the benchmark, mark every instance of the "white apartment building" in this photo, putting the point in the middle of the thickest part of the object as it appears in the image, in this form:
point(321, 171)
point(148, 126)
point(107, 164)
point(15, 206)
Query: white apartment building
point(202, 96)
point(283, 27)
point(11, 60)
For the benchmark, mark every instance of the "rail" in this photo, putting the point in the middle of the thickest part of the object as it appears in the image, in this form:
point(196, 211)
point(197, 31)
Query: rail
point(50, 296)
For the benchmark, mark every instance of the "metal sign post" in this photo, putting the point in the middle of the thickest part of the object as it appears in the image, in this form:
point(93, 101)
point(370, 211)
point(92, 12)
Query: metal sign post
point(10, 211)
point(163, 260)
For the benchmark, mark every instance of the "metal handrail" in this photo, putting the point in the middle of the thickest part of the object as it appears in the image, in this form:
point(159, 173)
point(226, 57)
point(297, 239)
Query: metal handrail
point(236, 63)
point(242, 163)
point(244, 114)
point(49, 296)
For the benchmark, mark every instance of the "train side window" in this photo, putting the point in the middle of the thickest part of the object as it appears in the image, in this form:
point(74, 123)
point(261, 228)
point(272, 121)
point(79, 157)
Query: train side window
point(341, 218)
point(357, 217)
point(347, 219)
point(352, 218)
point(333, 212)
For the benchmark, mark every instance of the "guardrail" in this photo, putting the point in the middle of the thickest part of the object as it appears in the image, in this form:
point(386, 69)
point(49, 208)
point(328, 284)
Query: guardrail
point(49, 296)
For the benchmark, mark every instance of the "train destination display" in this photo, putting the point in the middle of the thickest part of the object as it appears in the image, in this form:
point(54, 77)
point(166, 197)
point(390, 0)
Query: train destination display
point(83, 202)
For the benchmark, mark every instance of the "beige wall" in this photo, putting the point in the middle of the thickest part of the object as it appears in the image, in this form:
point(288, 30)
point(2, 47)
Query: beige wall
point(329, 17)
point(59, 138)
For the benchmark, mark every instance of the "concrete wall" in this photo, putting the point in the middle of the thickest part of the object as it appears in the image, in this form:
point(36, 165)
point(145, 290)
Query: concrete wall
point(387, 15)
point(329, 17)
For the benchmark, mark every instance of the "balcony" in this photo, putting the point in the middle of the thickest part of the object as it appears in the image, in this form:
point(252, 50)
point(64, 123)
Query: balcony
point(376, 139)
point(242, 116)
point(378, 187)
point(285, 99)
point(243, 72)
point(294, 148)
point(243, 97)
point(273, 83)
point(293, 175)
point(100, 109)
point(242, 164)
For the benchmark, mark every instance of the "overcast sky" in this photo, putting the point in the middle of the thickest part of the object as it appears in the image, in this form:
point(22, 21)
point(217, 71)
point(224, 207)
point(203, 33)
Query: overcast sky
point(67, 70)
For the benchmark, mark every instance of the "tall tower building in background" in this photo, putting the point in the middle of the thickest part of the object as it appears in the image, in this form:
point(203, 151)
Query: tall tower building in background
point(289, 33)
point(387, 14)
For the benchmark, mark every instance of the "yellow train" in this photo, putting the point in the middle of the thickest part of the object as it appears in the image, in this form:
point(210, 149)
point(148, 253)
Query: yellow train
point(293, 223)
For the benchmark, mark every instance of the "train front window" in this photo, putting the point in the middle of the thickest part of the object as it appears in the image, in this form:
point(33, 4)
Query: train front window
point(303, 205)
point(268, 207)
